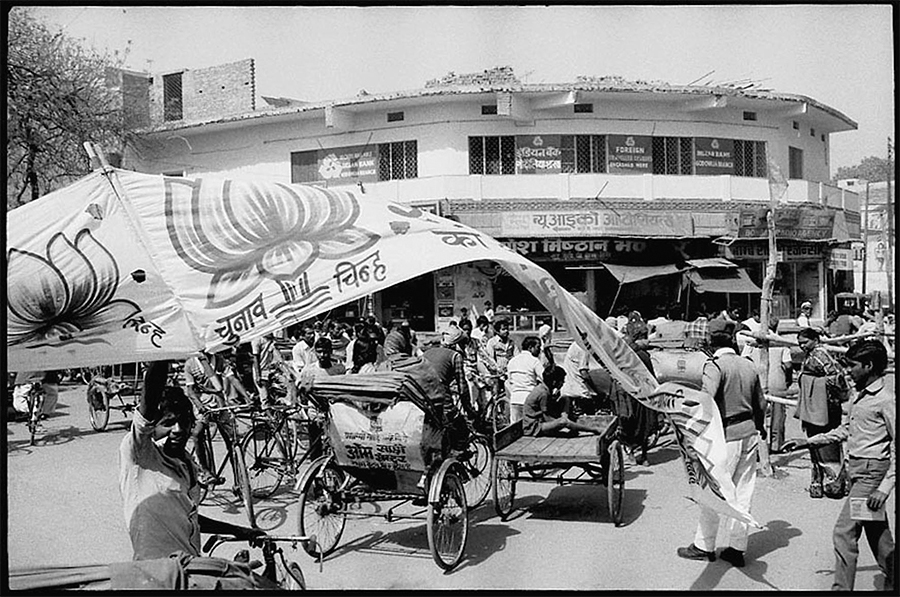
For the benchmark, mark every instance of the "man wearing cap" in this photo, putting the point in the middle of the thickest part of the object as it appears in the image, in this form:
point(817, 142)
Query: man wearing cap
point(805, 312)
point(447, 361)
point(733, 383)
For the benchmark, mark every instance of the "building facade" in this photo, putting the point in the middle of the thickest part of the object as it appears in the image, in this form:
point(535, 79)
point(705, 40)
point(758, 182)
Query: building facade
point(872, 254)
point(632, 194)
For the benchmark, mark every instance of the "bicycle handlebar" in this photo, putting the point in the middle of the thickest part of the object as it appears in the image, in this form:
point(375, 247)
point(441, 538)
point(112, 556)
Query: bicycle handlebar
point(216, 539)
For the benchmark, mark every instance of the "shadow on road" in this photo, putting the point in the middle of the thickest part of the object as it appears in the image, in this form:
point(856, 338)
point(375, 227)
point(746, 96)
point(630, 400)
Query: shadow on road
point(586, 503)
point(776, 535)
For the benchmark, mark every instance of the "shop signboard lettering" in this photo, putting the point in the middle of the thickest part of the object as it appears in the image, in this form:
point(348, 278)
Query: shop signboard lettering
point(793, 252)
point(841, 259)
point(591, 223)
point(713, 156)
point(341, 163)
point(790, 223)
point(630, 154)
point(538, 154)
point(575, 249)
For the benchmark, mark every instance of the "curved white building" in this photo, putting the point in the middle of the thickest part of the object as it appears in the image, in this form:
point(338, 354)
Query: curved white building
point(623, 190)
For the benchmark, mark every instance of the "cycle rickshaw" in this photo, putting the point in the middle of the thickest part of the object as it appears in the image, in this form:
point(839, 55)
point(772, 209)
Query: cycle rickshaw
point(388, 442)
point(113, 387)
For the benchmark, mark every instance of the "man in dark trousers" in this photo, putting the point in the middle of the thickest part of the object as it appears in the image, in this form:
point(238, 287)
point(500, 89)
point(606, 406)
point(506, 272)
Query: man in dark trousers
point(733, 383)
point(870, 429)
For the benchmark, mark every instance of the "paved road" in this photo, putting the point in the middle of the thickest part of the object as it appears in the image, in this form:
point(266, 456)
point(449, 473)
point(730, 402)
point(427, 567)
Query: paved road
point(64, 509)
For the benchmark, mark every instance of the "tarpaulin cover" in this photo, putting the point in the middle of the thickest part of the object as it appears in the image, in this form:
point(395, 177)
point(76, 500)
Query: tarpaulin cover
point(734, 281)
point(122, 267)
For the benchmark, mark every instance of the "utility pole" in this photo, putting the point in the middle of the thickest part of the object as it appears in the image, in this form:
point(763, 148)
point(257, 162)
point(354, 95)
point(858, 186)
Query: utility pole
point(865, 223)
point(889, 231)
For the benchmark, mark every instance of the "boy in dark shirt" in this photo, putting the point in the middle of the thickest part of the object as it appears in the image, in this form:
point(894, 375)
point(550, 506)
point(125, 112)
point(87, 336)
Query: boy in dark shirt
point(546, 413)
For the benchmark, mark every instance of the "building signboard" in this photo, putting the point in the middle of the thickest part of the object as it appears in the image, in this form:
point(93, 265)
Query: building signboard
point(790, 223)
point(786, 253)
point(605, 222)
point(713, 156)
point(538, 154)
point(841, 259)
point(630, 154)
point(574, 249)
point(357, 163)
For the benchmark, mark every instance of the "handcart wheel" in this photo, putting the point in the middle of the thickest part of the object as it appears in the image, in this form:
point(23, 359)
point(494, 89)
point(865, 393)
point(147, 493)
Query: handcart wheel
point(321, 507)
point(615, 481)
point(478, 471)
point(266, 460)
point(448, 520)
point(98, 409)
point(504, 476)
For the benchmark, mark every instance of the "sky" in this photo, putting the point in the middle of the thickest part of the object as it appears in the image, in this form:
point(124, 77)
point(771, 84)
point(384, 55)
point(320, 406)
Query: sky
point(839, 55)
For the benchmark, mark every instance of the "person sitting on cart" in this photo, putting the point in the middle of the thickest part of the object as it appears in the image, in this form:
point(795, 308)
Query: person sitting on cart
point(158, 479)
point(546, 412)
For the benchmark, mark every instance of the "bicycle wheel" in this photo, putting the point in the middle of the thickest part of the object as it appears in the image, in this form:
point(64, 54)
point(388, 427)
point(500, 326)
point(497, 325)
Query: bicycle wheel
point(321, 507)
point(615, 482)
point(293, 577)
point(478, 469)
point(202, 453)
point(448, 521)
point(98, 409)
point(241, 480)
point(266, 460)
point(504, 484)
point(35, 407)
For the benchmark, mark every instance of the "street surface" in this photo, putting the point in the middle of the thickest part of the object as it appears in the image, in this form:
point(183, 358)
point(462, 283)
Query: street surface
point(64, 509)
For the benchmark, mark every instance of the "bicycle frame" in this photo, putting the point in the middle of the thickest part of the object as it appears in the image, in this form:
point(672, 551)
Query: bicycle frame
point(270, 548)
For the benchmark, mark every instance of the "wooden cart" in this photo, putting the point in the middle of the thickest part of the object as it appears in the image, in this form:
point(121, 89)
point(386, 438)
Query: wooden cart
point(583, 459)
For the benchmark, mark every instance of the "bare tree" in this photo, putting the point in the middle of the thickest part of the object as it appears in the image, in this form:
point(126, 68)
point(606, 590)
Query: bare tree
point(59, 95)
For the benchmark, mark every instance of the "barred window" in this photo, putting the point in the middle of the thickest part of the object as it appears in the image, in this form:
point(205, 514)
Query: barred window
point(398, 160)
point(492, 155)
point(173, 104)
point(750, 158)
point(673, 155)
point(583, 154)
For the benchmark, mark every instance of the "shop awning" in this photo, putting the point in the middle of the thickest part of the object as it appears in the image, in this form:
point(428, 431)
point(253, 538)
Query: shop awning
point(625, 274)
point(732, 280)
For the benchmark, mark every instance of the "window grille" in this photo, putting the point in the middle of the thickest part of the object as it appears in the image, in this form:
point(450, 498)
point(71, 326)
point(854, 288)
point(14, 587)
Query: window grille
point(489, 109)
point(394, 116)
point(672, 155)
point(304, 166)
point(492, 155)
point(476, 155)
point(398, 160)
point(173, 103)
point(583, 154)
point(750, 158)
point(584, 108)
point(749, 115)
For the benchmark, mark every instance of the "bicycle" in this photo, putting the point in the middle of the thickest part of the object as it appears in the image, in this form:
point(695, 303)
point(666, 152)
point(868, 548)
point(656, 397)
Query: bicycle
point(35, 399)
point(286, 576)
point(204, 454)
point(277, 445)
point(478, 457)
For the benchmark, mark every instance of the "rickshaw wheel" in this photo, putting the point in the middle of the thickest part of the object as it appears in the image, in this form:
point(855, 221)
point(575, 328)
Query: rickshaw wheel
point(99, 416)
point(615, 481)
point(321, 508)
point(478, 469)
point(448, 520)
point(504, 477)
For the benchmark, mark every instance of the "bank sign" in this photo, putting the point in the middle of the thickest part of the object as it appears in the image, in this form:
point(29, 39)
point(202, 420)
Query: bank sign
point(630, 154)
point(341, 163)
point(538, 154)
point(713, 156)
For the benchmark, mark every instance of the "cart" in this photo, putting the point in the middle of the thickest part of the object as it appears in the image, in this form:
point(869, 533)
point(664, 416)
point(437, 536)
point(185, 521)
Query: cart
point(581, 459)
point(113, 387)
point(388, 443)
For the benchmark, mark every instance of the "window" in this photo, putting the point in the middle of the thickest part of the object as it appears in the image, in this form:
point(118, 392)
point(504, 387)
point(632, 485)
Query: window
point(750, 158)
point(823, 137)
point(492, 155)
point(304, 166)
point(812, 132)
point(796, 125)
point(394, 116)
point(583, 154)
point(673, 155)
point(489, 109)
point(795, 162)
point(749, 115)
point(173, 104)
point(398, 160)
point(584, 108)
